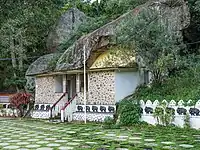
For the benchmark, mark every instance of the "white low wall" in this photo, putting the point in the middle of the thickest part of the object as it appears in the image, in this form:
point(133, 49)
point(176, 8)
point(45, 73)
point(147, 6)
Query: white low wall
point(40, 114)
point(100, 112)
point(7, 112)
point(42, 111)
point(179, 118)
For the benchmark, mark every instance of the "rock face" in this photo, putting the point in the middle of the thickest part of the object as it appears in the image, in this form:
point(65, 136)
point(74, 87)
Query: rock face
point(65, 27)
point(173, 12)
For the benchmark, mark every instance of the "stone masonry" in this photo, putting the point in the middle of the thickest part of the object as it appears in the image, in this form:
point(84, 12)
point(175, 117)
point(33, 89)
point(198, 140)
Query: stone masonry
point(101, 88)
point(45, 90)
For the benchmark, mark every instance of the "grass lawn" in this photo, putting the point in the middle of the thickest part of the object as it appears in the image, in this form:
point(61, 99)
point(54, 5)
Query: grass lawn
point(40, 135)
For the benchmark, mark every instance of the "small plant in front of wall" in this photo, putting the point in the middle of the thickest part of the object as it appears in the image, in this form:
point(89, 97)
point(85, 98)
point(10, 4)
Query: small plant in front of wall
point(187, 121)
point(109, 123)
point(164, 115)
point(3, 112)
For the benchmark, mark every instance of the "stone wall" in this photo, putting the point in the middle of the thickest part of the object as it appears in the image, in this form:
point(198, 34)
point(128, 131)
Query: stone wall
point(101, 90)
point(45, 90)
point(80, 98)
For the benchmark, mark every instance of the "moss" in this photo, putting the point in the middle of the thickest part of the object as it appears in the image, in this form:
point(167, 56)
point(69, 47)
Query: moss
point(52, 63)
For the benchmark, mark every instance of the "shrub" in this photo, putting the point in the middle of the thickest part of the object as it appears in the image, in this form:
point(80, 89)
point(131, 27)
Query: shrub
point(129, 112)
point(19, 101)
point(110, 123)
point(163, 115)
point(1, 106)
point(187, 121)
point(183, 84)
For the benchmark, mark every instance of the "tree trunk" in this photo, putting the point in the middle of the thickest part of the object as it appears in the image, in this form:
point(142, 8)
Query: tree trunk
point(13, 57)
point(21, 55)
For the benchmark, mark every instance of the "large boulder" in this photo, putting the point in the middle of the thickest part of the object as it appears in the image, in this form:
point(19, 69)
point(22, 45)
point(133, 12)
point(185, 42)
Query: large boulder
point(173, 12)
point(67, 24)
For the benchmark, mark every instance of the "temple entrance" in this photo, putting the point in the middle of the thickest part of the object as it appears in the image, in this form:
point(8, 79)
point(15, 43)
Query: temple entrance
point(71, 85)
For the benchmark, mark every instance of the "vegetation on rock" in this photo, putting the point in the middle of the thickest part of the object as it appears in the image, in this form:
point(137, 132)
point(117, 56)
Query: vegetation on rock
point(156, 46)
point(183, 84)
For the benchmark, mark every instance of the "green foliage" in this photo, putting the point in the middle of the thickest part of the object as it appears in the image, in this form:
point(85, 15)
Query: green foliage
point(114, 8)
point(24, 26)
point(192, 33)
point(109, 123)
point(101, 12)
point(154, 44)
point(129, 112)
point(187, 121)
point(83, 6)
point(52, 63)
point(1, 106)
point(182, 84)
point(163, 115)
point(85, 28)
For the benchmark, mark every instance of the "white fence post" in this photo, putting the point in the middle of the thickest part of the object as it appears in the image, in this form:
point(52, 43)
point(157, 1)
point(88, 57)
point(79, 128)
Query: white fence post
point(62, 116)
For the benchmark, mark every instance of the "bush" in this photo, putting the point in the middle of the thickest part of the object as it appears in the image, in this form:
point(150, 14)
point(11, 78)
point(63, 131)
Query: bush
point(19, 101)
point(163, 115)
point(1, 106)
point(183, 84)
point(187, 121)
point(109, 123)
point(129, 112)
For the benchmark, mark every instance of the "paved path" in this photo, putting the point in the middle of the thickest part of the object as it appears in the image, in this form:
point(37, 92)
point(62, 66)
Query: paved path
point(37, 135)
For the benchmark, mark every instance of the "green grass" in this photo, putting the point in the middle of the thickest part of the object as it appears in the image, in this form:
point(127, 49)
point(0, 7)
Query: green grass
point(136, 137)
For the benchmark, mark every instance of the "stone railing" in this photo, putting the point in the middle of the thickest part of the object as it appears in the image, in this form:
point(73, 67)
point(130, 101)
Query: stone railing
point(180, 109)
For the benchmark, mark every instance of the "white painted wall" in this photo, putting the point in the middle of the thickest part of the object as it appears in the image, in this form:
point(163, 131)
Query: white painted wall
point(125, 83)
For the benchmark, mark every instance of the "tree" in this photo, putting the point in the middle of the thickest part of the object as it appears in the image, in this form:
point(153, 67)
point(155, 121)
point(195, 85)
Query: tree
point(24, 26)
point(192, 33)
point(156, 47)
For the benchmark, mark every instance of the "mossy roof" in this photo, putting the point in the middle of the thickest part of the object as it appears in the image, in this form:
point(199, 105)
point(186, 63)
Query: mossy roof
point(43, 64)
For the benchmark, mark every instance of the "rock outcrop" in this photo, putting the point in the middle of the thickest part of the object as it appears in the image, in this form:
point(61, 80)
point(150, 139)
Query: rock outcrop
point(174, 12)
point(65, 27)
